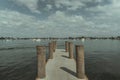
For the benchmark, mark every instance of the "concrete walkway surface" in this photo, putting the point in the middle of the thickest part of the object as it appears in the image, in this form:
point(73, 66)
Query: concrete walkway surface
point(61, 67)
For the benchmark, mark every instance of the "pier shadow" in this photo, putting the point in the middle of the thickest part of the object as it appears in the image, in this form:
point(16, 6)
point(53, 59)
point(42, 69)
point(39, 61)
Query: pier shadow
point(69, 71)
point(65, 56)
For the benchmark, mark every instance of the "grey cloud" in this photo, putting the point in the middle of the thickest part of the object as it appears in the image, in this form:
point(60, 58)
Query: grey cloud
point(88, 17)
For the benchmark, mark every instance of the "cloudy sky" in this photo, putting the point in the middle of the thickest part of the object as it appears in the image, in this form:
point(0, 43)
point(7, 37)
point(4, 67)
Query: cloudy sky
point(61, 18)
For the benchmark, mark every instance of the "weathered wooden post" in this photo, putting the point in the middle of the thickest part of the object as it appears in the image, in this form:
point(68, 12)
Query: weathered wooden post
point(66, 46)
point(54, 45)
point(80, 68)
point(71, 56)
point(41, 59)
point(50, 51)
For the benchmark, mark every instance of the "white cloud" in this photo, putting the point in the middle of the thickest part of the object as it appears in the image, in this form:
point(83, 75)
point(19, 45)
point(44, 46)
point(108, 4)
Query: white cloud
point(75, 4)
point(62, 24)
point(60, 18)
point(70, 4)
point(113, 6)
point(31, 4)
point(15, 20)
point(49, 6)
point(108, 16)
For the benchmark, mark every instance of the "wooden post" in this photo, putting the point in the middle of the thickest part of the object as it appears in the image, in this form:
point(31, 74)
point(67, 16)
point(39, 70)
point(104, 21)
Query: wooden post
point(80, 68)
point(50, 51)
point(71, 56)
point(66, 46)
point(41, 59)
point(54, 45)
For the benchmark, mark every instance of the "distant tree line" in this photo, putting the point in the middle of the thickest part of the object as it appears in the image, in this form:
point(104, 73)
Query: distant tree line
point(55, 38)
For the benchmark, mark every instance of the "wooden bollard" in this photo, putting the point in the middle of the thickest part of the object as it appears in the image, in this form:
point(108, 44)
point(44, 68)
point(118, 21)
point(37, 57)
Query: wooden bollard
point(50, 51)
point(41, 59)
point(71, 56)
point(54, 46)
point(80, 66)
point(55, 43)
point(66, 46)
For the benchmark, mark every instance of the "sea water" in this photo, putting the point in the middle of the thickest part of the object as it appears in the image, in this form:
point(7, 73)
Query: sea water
point(18, 58)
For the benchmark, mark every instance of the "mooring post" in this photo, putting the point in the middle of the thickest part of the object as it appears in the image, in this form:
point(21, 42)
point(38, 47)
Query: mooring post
point(50, 51)
point(80, 66)
point(71, 56)
point(41, 60)
point(54, 45)
point(66, 46)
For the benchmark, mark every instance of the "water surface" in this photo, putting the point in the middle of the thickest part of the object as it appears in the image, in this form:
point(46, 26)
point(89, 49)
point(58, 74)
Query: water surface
point(18, 59)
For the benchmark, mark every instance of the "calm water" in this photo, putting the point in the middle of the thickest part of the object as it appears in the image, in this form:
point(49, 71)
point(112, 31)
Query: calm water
point(18, 59)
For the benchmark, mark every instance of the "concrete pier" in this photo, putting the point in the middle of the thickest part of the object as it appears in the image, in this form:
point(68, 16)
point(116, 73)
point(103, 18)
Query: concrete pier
point(61, 65)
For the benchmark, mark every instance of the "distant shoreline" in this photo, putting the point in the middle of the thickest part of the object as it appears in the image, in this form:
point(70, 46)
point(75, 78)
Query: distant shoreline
point(64, 38)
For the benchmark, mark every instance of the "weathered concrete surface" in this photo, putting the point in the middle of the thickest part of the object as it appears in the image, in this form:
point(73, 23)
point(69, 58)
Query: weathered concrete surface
point(61, 67)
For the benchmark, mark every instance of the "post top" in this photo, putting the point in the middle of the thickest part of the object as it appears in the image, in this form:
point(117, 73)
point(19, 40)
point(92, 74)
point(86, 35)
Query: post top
point(70, 42)
point(50, 43)
point(79, 45)
point(40, 46)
